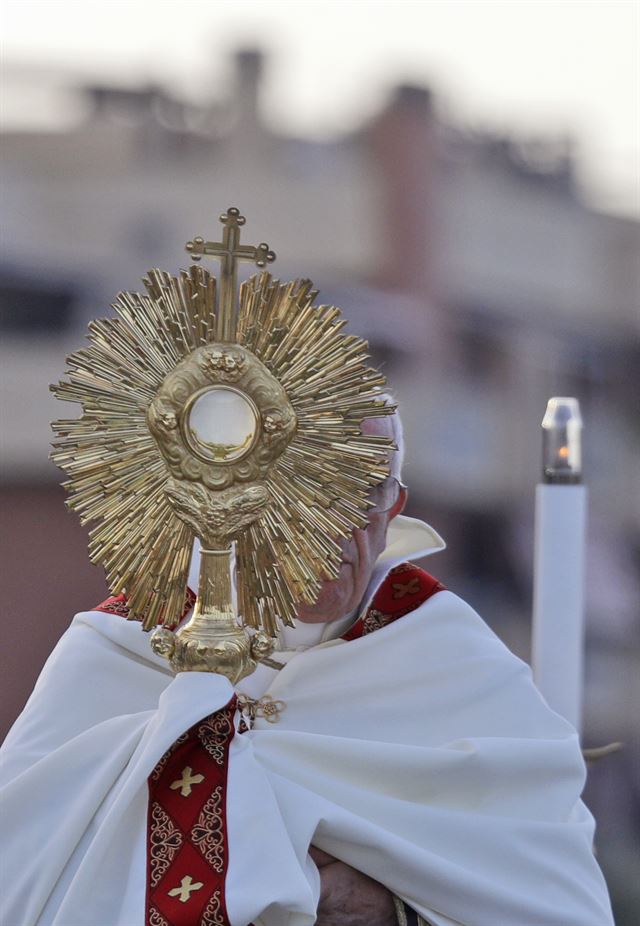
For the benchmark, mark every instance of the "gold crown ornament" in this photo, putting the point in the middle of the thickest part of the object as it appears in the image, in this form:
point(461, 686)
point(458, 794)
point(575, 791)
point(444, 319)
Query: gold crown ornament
point(234, 417)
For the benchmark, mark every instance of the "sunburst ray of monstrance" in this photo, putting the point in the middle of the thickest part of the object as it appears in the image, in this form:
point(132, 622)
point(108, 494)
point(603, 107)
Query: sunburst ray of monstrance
point(234, 417)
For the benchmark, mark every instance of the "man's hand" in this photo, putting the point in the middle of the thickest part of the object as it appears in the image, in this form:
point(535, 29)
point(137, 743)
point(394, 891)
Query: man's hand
point(349, 898)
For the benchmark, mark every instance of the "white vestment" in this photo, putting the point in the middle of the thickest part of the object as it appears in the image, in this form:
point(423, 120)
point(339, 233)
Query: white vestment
point(421, 754)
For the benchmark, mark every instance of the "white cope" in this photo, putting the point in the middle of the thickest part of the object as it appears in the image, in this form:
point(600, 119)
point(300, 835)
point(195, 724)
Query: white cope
point(420, 754)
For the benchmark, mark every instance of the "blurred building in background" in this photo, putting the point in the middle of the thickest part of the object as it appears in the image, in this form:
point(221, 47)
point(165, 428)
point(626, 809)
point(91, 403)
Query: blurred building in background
point(482, 279)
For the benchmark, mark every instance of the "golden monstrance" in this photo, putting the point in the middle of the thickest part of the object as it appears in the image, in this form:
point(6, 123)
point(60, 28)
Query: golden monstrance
point(234, 417)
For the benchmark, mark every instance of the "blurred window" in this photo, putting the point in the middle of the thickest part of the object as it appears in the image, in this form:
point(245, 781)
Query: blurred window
point(386, 357)
point(26, 306)
point(480, 347)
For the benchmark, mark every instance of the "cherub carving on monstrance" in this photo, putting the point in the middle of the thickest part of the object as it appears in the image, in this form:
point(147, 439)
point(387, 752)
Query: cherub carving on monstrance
point(234, 417)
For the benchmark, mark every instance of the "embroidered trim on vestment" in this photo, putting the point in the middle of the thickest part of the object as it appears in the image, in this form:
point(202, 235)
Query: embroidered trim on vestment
point(405, 588)
point(117, 604)
point(187, 851)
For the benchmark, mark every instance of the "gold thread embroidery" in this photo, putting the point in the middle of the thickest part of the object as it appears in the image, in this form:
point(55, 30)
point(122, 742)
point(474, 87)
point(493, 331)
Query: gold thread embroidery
point(187, 886)
point(155, 774)
point(214, 732)
point(156, 918)
point(213, 913)
point(165, 840)
point(186, 781)
point(208, 833)
point(400, 589)
point(375, 620)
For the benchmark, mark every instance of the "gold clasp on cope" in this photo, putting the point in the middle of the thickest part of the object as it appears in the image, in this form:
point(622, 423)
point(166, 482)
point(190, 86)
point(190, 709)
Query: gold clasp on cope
point(264, 707)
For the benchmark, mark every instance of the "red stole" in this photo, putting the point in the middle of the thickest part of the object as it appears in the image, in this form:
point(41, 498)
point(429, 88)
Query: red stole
point(187, 849)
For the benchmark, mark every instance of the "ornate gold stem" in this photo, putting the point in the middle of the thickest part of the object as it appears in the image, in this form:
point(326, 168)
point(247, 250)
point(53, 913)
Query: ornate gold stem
point(214, 603)
point(212, 640)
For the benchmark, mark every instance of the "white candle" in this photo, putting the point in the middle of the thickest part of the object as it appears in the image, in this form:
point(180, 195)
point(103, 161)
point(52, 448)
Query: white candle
point(560, 532)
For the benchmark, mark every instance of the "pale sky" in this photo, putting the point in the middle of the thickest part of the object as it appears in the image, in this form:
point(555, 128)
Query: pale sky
point(548, 66)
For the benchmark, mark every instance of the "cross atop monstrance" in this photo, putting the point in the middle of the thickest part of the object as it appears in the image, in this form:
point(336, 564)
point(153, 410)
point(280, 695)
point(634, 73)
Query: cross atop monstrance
point(229, 251)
